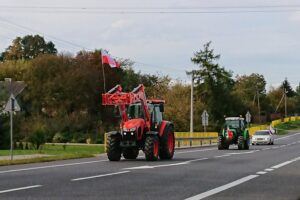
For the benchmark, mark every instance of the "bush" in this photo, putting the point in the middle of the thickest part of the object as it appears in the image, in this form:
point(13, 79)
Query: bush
point(37, 137)
point(59, 138)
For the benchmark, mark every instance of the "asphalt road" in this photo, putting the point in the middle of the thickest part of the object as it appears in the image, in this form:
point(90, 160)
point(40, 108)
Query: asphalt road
point(263, 172)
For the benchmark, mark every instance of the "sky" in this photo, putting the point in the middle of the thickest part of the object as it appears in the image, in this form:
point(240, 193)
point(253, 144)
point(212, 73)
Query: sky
point(161, 36)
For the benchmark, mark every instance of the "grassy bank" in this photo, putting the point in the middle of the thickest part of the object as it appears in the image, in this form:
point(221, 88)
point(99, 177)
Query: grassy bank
point(283, 128)
point(54, 152)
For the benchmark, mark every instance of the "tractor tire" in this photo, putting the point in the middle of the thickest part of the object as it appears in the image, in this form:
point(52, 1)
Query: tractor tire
point(151, 148)
point(167, 144)
point(241, 143)
point(247, 144)
point(220, 143)
point(130, 153)
point(113, 149)
point(226, 146)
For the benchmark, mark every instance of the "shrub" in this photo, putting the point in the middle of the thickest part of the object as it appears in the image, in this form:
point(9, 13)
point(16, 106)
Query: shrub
point(37, 137)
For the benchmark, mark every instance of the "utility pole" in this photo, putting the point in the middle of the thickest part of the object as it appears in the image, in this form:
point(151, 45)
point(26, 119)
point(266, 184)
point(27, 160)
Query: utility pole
point(192, 105)
point(285, 102)
point(258, 105)
point(9, 80)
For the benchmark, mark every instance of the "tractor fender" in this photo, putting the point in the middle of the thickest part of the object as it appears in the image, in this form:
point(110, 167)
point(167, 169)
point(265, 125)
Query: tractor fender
point(246, 134)
point(164, 127)
point(114, 134)
point(152, 133)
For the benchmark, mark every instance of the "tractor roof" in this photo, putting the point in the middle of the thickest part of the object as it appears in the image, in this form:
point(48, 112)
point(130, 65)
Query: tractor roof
point(233, 118)
point(155, 101)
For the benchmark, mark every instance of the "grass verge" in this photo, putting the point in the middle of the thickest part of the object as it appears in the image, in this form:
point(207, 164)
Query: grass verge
point(54, 152)
point(284, 128)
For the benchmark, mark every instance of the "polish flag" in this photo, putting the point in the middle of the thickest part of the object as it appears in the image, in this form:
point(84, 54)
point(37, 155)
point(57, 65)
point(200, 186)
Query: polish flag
point(107, 59)
point(230, 134)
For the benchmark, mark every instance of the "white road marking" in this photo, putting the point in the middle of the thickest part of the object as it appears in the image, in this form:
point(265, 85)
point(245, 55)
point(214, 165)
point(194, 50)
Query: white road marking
point(269, 169)
point(21, 188)
point(222, 188)
point(281, 164)
point(195, 151)
point(238, 182)
point(226, 155)
point(165, 165)
point(198, 159)
point(261, 172)
point(287, 136)
point(99, 176)
point(50, 166)
point(248, 152)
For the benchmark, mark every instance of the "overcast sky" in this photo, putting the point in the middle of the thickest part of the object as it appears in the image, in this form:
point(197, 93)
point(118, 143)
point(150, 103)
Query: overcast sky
point(252, 36)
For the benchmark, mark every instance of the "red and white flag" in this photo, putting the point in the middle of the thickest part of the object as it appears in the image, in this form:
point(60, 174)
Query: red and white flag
point(107, 59)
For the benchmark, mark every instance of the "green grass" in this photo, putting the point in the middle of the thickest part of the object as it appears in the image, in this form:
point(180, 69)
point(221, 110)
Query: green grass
point(56, 152)
point(284, 128)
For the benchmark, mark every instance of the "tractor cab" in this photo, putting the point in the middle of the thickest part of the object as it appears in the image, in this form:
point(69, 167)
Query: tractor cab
point(234, 123)
point(155, 108)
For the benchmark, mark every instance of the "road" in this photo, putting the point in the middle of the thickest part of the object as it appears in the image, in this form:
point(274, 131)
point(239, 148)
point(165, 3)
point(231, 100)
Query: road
point(263, 172)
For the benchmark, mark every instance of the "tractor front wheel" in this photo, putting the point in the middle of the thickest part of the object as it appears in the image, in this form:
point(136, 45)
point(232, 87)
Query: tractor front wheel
point(113, 148)
point(167, 144)
point(151, 148)
point(130, 153)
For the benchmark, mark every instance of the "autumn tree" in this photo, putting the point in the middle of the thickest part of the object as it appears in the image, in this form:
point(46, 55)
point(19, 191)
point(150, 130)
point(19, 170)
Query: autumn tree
point(28, 47)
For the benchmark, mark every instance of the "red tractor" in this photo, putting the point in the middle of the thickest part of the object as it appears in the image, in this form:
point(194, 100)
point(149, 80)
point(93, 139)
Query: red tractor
point(142, 126)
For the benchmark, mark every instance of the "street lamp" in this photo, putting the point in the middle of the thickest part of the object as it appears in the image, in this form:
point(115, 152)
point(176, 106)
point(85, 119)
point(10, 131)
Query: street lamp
point(9, 80)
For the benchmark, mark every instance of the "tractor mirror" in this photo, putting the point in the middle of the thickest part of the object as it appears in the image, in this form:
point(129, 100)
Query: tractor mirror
point(161, 107)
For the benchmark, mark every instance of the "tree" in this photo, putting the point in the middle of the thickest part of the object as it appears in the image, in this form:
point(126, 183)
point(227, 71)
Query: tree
point(213, 84)
point(287, 86)
point(247, 88)
point(28, 47)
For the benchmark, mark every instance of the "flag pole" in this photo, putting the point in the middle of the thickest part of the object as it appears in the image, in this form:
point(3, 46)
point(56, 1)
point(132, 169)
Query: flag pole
point(103, 74)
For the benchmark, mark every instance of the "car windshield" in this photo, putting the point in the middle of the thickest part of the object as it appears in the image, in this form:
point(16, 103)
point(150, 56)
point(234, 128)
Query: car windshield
point(262, 133)
point(232, 124)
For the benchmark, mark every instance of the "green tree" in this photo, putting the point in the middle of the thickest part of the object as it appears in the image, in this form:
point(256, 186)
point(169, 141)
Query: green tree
point(213, 84)
point(248, 88)
point(287, 86)
point(28, 47)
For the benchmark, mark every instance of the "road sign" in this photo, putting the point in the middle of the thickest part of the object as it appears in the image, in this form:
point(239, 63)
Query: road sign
point(248, 117)
point(205, 118)
point(12, 104)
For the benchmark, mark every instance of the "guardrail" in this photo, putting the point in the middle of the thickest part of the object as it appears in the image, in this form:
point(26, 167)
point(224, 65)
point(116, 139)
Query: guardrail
point(195, 141)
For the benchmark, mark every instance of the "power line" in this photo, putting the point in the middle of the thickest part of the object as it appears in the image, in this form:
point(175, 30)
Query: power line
point(47, 35)
point(148, 8)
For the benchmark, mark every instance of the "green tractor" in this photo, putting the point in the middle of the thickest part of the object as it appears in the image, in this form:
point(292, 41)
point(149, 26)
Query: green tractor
point(234, 132)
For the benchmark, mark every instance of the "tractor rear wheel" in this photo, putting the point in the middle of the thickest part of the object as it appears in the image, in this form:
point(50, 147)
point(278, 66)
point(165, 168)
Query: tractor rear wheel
point(130, 153)
point(241, 143)
point(151, 148)
point(113, 148)
point(247, 144)
point(220, 143)
point(167, 144)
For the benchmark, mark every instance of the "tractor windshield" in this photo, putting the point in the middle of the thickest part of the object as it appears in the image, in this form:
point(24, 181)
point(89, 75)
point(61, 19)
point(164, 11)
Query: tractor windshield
point(232, 124)
point(135, 111)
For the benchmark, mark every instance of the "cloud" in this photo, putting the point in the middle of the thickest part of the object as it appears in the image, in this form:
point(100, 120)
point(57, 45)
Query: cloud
point(121, 24)
point(295, 17)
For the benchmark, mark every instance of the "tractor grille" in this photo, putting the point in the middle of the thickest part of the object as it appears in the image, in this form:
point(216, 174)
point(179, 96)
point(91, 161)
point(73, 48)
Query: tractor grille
point(128, 139)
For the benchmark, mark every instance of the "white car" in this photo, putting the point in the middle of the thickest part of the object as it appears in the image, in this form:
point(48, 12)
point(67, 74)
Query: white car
point(263, 137)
